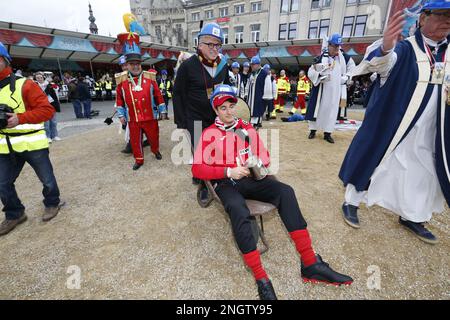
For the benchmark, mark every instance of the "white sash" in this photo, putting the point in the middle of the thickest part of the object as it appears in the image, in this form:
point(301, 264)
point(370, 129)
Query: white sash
point(422, 84)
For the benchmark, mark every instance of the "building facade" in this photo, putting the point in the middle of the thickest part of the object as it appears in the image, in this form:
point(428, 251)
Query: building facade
point(312, 19)
point(242, 21)
point(164, 21)
point(177, 23)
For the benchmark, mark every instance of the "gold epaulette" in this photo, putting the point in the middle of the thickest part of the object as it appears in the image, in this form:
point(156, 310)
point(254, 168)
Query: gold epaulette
point(121, 77)
point(149, 75)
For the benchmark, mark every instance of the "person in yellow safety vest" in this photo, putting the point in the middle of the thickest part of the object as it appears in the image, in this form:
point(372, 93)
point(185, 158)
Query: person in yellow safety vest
point(24, 108)
point(303, 89)
point(283, 88)
point(165, 86)
point(98, 90)
point(108, 89)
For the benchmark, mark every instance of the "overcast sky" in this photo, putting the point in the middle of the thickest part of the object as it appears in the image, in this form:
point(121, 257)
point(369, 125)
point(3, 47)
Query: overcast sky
point(68, 14)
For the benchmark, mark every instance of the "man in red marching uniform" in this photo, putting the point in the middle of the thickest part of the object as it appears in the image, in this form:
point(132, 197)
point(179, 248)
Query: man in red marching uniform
point(139, 95)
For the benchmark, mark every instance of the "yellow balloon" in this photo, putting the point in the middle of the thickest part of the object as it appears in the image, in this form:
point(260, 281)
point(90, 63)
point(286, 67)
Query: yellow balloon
point(128, 18)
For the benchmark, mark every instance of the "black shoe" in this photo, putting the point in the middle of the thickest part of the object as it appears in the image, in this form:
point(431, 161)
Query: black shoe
point(419, 231)
point(312, 134)
point(267, 117)
point(327, 137)
point(196, 181)
point(265, 290)
point(350, 215)
point(136, 166)
point(278, 111)
point(321, 272)
point(284, 119)
point(204, 194)
point(158, 156)
point(127, 149)
point(291, 113)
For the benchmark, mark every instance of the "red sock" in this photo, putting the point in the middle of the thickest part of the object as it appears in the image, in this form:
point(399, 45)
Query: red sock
point(302, 242)
point(253, 261)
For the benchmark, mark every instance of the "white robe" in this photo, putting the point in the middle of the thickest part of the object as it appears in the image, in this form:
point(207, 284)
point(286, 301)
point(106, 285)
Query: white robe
point(332, 92)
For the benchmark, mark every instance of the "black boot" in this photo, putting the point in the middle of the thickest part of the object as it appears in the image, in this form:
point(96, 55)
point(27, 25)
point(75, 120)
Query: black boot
point(327, 137)
point(312, 134)
point(196, 181)
point(158, 156)
point(136, 166)
point(265, 290)
point(321, 272)
point(127, 149)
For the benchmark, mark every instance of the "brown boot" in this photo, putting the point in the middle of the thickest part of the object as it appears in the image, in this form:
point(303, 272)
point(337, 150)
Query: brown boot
point(51, 212)
point(8, 225)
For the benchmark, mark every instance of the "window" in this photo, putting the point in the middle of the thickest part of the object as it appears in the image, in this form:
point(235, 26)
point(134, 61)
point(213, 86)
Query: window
point(256, 31)
point(350, 2)
point(195, 38)
point(316, 4)
point(347, 29)
point(209, 14)
point(292, 31)
point(158, 33)
point(360, 26)
point(313, 29)
point(256, 6)
point(324, 27)
point(223, 12)
point(294, 5)
point(225, 35)
point(239, 34)
point(196, 16)
point(239, 9)
point(282, 32)
point(284, 7)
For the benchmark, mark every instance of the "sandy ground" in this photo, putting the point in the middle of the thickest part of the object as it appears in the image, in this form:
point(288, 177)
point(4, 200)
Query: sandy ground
point(142, 235)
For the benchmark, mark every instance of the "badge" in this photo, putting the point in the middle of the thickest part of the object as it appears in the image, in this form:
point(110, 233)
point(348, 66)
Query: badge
point(447, 88)
point(438, 73)
point(244, 154)
point(138, 88)
point(209, 92)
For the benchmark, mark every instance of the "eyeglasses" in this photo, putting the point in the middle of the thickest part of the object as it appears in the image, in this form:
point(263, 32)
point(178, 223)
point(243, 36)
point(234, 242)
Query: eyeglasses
point(442, 14)
point(210, 45)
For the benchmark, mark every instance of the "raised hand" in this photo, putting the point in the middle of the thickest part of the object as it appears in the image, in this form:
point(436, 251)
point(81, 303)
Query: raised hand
point(393, 31)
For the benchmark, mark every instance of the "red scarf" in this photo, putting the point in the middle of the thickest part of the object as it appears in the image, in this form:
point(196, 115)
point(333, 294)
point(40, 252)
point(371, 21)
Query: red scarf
point(5, 73)
point(208, 63)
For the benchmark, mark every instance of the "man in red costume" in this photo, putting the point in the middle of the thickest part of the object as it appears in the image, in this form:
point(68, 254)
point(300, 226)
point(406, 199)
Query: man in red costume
point(139, 95)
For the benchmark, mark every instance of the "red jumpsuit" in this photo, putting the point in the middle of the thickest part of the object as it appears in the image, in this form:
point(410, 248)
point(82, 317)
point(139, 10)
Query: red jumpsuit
point(143, 109)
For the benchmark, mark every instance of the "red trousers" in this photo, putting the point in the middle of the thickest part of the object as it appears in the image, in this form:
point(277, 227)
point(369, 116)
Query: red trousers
point(301, 102)
point(280, 101)
point(151, 130)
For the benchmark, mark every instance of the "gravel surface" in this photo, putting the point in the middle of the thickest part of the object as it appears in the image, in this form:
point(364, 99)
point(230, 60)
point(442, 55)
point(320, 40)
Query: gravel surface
point(142, 235)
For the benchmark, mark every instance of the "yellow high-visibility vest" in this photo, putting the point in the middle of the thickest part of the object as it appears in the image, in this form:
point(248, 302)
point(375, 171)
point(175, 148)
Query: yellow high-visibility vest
point(24, 142)
point(167, 88)
point(108, 85)
point(283, 86)
point(303, 86)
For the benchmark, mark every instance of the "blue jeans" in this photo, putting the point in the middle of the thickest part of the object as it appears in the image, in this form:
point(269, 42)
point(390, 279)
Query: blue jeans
point(9, 171)
point(51, 129)
point(87, 108)
point(77, 108)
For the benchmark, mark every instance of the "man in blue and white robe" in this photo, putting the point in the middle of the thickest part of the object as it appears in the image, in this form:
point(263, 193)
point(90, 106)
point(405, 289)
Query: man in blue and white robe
point(399, 159)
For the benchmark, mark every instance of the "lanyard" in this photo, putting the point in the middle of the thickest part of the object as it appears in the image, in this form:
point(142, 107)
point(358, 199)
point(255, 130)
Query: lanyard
point(430, 55)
